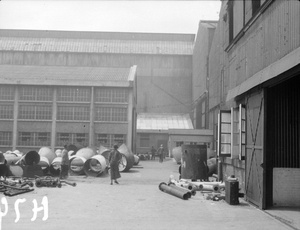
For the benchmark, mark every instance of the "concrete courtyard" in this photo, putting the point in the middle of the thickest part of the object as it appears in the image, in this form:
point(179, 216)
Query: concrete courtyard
point(136, 203)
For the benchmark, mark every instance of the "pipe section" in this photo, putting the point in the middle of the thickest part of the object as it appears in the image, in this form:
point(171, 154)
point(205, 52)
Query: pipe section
point(48, 153)
point(55, 166)
point(167, 189)
point(95, 166)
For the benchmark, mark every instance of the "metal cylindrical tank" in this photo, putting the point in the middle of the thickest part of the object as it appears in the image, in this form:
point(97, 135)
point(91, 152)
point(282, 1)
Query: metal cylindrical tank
point(44, 163)
point(136, 160)
point(11, 158)
point(95, 166)
point(177, 154)
point(212, 166)
point(77, 161)
point(16, 170)
point(48, 153)
point(127, 158)
point(55, 166)
point(194, 160)
point(32, 157)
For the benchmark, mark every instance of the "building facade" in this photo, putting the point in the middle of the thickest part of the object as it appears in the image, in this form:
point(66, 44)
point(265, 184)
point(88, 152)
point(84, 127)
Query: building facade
point(55, 106)
point(254, 98)
point(164, 61)
point(163, 84)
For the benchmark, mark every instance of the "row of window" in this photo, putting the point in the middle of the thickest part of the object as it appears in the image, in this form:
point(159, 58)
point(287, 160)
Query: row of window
point(65, 113)
point(108, 140)
point(44, 139)
point(241, 13)
point(67, 94)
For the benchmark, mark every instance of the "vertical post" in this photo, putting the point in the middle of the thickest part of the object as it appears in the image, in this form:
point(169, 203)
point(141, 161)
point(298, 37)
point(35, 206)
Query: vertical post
point(92, 118)
point(129, 118)
point(15, 122)
point(54, 117)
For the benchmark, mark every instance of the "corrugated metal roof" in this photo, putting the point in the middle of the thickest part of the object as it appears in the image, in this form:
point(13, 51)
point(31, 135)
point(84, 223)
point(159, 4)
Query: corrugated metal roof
point(58, 74)
point(96, 46)
point(97, 35)
point(164, 121)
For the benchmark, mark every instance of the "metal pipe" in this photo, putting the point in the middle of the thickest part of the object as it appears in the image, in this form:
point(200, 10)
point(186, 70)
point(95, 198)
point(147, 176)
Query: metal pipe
point(77, 161)
point(48, 153)
point(55, 166)
point(127, 158)
point(76, 164)
point(95, 166)
point(208, 187)
point(188, 192)
point(167, 189)
point(16, 170)
point(32, 157)
point(44, 163)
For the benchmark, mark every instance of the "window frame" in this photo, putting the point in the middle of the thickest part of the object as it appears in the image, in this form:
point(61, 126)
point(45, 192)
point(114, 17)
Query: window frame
point(232, 40)
point(237, 132)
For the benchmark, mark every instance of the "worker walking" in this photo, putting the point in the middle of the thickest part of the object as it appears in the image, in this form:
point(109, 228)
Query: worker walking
point(114, 161)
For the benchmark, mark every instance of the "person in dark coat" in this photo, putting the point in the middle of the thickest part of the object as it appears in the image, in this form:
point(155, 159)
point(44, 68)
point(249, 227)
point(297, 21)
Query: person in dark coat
point(153, 152)
point(114, 160)
point(161, 153)
point(65, 164)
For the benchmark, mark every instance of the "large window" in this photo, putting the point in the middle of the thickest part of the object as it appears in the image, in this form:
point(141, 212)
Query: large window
point(7, 93)
point(111, 114)
point(73, 113)
point(78, 139)
point(111, 95)
point(35, 112)
point(34, 139)
point(240, 14)
point(232, 133)
point(31, 93)
point(108, 140)
point(6, 138)
point(73, 94)
point(6, 112)
point(144, 140)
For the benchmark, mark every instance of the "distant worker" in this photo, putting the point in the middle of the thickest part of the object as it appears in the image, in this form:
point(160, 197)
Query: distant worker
point(161, 153)
point(114, 161)
point(65, 163)
point(153, 152)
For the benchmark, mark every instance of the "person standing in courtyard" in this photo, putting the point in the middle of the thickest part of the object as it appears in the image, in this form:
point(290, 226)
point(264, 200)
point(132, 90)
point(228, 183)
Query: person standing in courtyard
point(161, 153)
point(153, 152)
point(114, 161)
point(65, 163)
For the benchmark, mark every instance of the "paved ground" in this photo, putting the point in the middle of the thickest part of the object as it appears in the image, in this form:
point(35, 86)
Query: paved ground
point(137, 203)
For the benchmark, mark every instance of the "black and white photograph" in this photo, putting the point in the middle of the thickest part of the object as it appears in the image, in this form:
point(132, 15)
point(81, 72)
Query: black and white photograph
point(149, 115)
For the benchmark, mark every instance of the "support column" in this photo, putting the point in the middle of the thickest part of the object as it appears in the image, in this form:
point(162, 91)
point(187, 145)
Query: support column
point(54, 116)
point(129, 119)
point(92, 112)
point(15, 122)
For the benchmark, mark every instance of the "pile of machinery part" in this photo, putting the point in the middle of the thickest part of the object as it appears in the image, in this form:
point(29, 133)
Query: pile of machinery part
point(12, 187)
point(49, 181)
point(184, 188)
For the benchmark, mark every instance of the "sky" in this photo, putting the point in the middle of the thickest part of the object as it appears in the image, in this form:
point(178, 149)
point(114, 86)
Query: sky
point(111, 16)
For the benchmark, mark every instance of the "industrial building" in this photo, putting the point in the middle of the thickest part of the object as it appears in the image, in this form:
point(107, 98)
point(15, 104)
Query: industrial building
point(59, 105)
point(252, 97)
point(97, 61)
